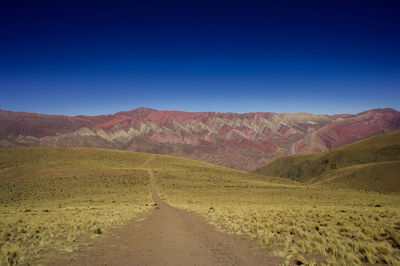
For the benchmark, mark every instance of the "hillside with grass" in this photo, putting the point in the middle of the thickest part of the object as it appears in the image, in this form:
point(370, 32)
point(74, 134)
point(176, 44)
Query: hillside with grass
point(56, 201)
point(301, 224)
point(369, 164)
point(53, 200)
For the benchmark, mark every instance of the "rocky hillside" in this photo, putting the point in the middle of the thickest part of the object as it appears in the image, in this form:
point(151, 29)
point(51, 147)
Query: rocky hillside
point(242, 141)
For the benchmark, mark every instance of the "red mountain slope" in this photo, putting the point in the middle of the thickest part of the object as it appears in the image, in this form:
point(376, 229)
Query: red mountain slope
point(241, 141)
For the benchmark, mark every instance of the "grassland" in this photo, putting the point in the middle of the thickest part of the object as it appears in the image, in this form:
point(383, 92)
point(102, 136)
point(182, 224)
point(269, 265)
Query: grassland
point(302, 224)
point(55, 199)
point(369, 164)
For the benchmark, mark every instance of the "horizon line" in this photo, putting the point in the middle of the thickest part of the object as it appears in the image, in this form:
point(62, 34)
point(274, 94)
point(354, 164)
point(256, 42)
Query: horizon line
point(184, 111)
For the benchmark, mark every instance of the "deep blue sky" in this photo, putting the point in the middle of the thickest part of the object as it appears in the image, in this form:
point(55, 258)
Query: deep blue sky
point(100, 57)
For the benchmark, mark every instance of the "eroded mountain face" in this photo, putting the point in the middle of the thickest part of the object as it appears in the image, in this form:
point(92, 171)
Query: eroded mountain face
point(240, 141)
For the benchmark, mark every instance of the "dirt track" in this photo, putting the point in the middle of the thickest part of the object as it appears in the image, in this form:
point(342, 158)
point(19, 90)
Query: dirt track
point(170, 236)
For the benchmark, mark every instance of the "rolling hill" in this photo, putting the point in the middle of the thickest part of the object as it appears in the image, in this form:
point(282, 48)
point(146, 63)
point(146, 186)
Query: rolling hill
point(371, 164)
point(52, 198)
point(240, 141)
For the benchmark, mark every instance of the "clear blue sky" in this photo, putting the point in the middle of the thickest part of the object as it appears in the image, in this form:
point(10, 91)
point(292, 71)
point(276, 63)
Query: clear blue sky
point(100, 57)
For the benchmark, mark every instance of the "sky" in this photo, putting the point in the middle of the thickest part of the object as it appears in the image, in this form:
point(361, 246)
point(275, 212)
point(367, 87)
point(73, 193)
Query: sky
point(101, 57)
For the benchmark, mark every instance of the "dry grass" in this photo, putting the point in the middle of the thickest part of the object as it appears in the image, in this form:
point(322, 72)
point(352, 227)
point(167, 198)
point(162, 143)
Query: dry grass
point(54, 200)
point(309, 225)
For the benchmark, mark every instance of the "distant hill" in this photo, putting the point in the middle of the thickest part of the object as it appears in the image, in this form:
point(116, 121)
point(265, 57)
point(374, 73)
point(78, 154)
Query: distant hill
point(240, 141)
point(370, 164)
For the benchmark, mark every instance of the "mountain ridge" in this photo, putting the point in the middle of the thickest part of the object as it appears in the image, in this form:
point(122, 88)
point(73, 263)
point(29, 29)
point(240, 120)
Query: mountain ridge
point(241, 141)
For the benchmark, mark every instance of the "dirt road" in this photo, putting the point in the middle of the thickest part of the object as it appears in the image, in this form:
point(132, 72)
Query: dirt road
point(170, 236)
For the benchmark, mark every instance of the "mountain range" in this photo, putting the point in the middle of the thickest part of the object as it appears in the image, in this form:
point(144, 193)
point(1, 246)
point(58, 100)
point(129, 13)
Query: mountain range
point(241, 141)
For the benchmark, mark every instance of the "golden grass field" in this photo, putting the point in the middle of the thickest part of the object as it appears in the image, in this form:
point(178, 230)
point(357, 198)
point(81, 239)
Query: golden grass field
point(54, 200)
point(302, 224)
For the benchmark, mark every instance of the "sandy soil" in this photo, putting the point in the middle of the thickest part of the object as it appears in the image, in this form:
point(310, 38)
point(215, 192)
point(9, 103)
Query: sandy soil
point(170, 236)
